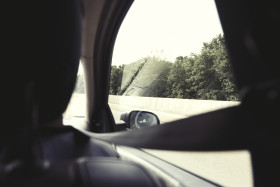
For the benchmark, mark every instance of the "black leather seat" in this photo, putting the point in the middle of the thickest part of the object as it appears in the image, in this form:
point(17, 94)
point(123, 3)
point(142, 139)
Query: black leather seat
point(72, 158)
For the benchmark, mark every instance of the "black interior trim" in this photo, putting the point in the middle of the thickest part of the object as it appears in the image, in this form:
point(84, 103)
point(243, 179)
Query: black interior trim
point(102, 119)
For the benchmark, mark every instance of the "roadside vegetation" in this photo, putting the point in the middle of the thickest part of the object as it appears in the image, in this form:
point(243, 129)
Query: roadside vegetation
point(206, 75)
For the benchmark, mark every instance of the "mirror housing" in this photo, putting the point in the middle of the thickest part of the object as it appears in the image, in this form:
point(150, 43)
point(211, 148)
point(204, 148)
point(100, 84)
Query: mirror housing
point(139, 119)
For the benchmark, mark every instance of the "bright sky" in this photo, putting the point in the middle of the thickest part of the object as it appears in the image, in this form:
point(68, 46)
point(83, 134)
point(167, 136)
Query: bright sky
point(165, 28)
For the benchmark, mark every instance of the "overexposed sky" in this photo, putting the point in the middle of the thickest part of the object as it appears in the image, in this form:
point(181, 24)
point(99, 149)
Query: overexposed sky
point(165, 28)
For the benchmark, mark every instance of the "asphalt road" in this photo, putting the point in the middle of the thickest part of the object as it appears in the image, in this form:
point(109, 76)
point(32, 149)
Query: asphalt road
point(232, 169)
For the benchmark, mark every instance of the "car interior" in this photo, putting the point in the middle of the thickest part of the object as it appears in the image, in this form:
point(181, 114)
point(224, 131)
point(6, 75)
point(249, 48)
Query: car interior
point(44, 42)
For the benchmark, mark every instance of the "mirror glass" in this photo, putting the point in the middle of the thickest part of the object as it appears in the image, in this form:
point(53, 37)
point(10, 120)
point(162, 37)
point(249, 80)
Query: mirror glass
point(140, 119)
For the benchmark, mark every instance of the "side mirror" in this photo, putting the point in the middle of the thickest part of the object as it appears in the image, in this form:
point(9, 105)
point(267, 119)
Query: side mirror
point(140, 119)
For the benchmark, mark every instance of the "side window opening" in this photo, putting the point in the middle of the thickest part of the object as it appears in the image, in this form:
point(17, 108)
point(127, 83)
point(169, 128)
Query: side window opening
point(170, 58)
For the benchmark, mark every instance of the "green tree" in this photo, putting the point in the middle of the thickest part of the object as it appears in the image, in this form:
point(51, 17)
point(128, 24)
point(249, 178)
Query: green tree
point(224, 70)
point(155, 73)
point(116, 80)
point(176, 79)
point(222, 86)
point(206, 75)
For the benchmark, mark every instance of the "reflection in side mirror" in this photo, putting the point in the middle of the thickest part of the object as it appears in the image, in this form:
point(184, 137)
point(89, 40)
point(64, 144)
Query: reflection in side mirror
point(140, 119)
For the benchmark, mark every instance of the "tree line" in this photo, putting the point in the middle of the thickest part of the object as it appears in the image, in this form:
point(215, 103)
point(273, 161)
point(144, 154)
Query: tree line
point(206, 75)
